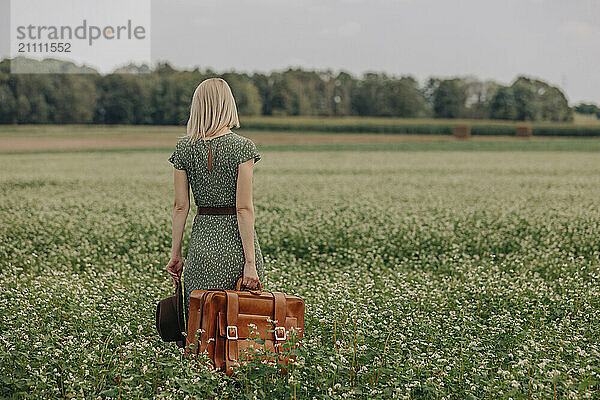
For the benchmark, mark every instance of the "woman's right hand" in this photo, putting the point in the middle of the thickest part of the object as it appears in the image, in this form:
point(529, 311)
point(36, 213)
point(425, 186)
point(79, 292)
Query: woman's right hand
point(250, 277)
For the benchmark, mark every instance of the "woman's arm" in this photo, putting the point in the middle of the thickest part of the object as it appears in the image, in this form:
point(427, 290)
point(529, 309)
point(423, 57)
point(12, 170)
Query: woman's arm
point(245, 217)
point(181, 208)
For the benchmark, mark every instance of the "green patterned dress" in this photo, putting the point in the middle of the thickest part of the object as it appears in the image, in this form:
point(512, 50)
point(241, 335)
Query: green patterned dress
point(215, 256)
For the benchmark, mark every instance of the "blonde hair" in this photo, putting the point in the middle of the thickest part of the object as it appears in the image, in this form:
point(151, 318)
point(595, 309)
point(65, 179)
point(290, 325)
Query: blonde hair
point(213, 108)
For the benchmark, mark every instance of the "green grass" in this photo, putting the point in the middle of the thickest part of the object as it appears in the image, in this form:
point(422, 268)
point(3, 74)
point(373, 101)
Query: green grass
point(572, 145)
point(480, 268)
point(591, 144)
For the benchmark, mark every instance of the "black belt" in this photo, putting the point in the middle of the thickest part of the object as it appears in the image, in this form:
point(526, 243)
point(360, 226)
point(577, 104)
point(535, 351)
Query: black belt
point(224, 210)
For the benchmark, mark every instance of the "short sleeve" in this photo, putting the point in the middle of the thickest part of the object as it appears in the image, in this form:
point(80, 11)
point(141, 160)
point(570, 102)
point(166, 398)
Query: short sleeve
point(248, 151)
point(177, 157)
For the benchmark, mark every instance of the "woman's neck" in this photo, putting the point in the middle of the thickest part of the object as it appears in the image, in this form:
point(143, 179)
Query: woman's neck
point(220, 133)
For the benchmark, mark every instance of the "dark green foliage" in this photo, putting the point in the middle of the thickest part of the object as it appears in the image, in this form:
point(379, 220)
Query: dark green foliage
point(47, 99)
point(530, 100)
point(9, 105)
point(550, 130)
point(123, 99)
point(382, 96)
point(503, 105)
point(588, 109)
point(449, 99)
point(162, 97)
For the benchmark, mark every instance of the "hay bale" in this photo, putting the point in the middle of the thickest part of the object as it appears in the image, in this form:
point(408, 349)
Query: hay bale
point(523, 130)
point(462, 131)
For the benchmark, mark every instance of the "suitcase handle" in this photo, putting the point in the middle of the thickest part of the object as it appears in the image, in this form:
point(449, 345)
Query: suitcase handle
point(238, 287)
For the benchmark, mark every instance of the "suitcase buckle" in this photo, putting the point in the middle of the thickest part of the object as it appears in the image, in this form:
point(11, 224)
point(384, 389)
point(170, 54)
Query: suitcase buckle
point(235, 335)
point(282, 329)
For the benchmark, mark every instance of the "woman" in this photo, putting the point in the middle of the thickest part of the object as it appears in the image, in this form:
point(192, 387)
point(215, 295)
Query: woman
point(218, 165)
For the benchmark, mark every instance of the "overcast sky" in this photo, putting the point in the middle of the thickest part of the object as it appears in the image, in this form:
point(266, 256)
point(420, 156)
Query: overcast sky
point(554, 40)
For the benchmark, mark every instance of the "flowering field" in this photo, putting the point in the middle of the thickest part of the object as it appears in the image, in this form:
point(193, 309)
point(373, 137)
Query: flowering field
point(426, 275)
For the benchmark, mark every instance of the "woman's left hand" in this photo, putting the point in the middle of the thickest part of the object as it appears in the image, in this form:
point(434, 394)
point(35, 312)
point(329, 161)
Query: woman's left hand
point(174, 267)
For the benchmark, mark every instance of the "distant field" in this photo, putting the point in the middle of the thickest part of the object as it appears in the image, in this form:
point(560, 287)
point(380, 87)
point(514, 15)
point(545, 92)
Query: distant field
point(578, 120)
point(429, 126)
point(586, 119)
point(34, 138)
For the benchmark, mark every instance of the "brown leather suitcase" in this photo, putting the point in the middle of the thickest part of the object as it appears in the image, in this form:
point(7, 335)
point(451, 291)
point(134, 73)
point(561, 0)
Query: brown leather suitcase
point(219, 323)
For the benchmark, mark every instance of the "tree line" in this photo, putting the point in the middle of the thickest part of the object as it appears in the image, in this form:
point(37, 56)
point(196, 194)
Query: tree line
point(162, 96)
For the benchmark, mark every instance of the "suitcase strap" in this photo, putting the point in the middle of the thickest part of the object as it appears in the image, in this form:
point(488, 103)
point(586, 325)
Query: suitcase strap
point(279, 313)
point(233, 308)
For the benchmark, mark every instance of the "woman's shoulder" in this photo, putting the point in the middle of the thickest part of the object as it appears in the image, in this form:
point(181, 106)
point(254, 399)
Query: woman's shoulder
point(183, 142)
point(240, 139)
point(244, 149)
point(239, 142)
